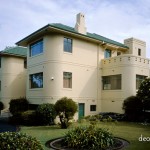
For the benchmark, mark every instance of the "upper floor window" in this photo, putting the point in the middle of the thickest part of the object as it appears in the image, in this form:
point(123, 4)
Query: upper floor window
point(67, 80)
point(112, 82)
point(36, 80)
point(36, 48)
point(25, 63)
point(107, 53)
point(139, 79)
point(118, 53)
point(139, 52)
point(67, 45)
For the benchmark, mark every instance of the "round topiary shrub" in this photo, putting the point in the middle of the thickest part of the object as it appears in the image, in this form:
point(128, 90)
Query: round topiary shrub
point(20, 141)
point(46, 114)
point(65, 109)
point(89, 138)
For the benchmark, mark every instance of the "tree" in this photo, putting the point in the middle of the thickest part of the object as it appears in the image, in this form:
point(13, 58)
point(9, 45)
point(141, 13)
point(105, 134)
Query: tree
point(133, 108)
point(1, 106)
point(65, 109)
point(143, 93)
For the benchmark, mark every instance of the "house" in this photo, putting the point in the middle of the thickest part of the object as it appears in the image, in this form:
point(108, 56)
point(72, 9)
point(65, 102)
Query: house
point(96, 72)
point(12, 74)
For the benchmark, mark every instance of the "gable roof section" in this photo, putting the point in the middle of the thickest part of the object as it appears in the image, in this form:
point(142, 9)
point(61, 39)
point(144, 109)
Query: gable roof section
point(15, 51)
point(72, 30)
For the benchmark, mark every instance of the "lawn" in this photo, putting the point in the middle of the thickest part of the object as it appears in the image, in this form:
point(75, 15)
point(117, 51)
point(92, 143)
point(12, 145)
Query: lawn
point(128, 131)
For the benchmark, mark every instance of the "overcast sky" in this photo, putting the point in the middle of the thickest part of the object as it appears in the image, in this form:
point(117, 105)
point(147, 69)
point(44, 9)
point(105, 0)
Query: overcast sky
point(115, 19)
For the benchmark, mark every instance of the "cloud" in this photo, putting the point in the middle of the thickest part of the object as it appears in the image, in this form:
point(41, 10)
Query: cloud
point(115, 19)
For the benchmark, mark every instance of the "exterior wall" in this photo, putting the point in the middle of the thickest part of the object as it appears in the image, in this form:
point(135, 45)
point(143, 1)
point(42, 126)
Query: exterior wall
point(128, 66)
point(13, 79)
point(135, 44)
point(83, 62)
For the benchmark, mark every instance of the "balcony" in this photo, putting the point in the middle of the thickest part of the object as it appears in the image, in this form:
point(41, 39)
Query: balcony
point(125, 60)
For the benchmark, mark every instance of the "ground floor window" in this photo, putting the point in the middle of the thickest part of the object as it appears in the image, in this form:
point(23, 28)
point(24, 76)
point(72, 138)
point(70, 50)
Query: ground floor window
point(112, 82)
point(92, 107)
point(67, 80)
point(139, 79)
point(36, 80)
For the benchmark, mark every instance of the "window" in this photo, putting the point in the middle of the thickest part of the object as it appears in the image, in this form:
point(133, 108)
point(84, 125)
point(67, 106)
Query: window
point(67, 79)
point(112, 82)
point(92, 107)
point(67, 45)
point(118, 53)
point(139, 79)
point(36, 80)
point(107, 53)
point(36, 48)
point(139, 52)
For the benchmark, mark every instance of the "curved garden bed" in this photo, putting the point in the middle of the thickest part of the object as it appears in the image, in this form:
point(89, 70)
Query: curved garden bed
point(57, 144)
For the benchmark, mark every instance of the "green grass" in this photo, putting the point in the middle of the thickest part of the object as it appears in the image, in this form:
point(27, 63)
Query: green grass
point(128, 131)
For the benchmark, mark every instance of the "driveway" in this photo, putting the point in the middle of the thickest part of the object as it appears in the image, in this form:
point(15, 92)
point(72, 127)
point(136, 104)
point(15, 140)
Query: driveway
point(5, 126)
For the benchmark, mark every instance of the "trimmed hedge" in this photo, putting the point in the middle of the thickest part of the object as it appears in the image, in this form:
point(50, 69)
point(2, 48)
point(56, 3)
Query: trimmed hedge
point(18, 141)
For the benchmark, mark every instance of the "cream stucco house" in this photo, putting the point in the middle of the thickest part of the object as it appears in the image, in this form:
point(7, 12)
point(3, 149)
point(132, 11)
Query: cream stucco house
point(12, 74)
point(97, 72)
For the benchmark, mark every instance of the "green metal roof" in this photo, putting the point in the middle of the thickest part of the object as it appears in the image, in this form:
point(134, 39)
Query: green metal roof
point(72, 30)
point(90, 35)
point(15, 51)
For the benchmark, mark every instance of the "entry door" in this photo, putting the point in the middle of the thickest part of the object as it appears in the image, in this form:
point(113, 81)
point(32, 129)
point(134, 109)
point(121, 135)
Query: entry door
point(81, 110)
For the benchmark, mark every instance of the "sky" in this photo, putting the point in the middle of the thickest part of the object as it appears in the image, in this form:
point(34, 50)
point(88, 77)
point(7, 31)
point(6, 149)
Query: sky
point(114, 19)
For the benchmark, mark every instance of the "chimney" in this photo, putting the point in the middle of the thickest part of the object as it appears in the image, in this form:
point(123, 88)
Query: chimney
point(80, 23)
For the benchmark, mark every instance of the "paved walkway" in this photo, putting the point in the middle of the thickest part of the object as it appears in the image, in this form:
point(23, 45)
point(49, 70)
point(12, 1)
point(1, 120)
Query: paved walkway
point(5, 126)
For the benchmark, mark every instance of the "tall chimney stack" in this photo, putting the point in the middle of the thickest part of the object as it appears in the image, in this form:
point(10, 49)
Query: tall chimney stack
point(80, 23)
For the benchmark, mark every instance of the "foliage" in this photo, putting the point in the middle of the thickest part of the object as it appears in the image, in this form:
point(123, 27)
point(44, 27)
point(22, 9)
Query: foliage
point(29, 117)
point(46, 114)
point(65, 109)
point(90, 138)
point(133, 108)
point(20, 141)
point(1, 106)
point(144, 93)
point(18, 105)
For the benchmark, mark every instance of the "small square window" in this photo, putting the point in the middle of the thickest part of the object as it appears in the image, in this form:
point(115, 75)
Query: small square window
point(92, 107)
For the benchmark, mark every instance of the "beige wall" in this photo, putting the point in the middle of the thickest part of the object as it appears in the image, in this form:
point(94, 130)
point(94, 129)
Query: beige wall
point(13, 79)
point(128, 66)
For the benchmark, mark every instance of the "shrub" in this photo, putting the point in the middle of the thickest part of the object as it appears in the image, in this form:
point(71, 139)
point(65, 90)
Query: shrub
point(46, 114)
point(18, 105)
point(20, 141)
point(133, 108)
point(143, 93)
point(65, 109)
point(29, 117)
point(1, 106)
point(90, 138)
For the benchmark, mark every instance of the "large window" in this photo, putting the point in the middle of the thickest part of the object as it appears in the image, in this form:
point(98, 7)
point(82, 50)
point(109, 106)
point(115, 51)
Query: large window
point(107, 53)
point(139, 79)
point(67, 79)
point(112, 82)
point(67, 45)
point(36, 80)
point(36, 48)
